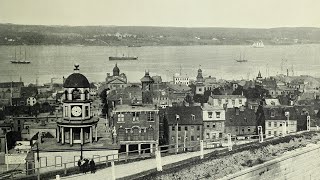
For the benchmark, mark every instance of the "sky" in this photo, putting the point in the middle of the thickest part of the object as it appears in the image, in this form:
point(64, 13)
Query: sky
point(178, 13)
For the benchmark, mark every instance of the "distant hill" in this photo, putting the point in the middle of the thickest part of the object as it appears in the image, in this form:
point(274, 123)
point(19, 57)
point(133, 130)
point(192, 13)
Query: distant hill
point(11, 34)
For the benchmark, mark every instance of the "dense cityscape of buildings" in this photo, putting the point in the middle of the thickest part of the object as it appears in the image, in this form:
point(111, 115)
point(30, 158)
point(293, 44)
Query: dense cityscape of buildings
point(118, 116)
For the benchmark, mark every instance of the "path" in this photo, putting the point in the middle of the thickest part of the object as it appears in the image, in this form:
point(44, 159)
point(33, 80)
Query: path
point(128, 169)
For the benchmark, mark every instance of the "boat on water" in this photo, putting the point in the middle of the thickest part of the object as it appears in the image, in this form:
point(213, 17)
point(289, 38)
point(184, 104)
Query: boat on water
point(258, 44)
point(134, 46)
point(241, 59)
point(114, 58)
point(15, 61)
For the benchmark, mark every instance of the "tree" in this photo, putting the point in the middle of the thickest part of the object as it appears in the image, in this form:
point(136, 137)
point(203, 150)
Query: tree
point(188, 99)
point(216, 91)
point(12, 138)
point(239, 91)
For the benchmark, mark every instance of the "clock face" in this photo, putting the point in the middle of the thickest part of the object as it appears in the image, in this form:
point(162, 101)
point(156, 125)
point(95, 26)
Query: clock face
point(76, 111)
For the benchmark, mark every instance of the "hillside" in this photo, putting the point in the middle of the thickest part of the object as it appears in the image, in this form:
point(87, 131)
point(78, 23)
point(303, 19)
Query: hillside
point(11, 34)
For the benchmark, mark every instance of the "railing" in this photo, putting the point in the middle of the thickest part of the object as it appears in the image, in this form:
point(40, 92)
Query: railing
point(71, 167)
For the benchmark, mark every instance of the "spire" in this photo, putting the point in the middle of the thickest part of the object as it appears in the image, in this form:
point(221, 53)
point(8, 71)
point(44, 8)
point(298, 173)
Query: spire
point(259, 74)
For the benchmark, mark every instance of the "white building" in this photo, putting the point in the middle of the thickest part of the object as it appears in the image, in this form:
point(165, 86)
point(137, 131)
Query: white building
point(231, 101)
point(181, 79)
point(213, 122)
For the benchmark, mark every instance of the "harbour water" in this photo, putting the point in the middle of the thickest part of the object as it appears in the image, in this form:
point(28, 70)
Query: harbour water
point(219, 61)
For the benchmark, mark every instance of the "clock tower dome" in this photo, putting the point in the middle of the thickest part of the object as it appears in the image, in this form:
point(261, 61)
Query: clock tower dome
point(77, 124)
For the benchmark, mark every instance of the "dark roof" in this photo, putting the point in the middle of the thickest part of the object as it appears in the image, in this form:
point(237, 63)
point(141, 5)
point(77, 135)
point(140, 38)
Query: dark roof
point(279, 113)
point(9, 84)
point(185, 113)
point(76, 80)
point(243, 118)
point(147, 78)
point(28, 92)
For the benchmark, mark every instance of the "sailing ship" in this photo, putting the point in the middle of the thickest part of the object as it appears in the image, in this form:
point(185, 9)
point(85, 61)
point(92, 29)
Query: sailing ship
point(258, 44)
point(123, 57)
point(241, 59)
point(15, 61)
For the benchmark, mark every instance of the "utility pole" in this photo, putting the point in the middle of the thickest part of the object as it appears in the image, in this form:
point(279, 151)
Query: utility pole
point(38, 159)
point(81, 151)
point(177, 133)
point(308, 123)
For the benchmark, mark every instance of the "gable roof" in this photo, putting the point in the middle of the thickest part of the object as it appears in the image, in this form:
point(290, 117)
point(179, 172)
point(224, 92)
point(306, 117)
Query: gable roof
point(185, 113)
point(278, 113)
point(244, 118)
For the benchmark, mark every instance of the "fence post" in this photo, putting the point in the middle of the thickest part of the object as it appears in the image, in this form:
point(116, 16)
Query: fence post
point(229, 142)
point(158, 160)
point(201, 149)
point(107, 161)
point(57, 177)
point(113, 173)
point(38, 176)
point(65, 168)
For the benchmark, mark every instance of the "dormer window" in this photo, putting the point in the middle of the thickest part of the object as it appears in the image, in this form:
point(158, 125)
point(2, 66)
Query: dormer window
point(209, 114)
point(273, 114)
point(193, 117)
point(218, 114)
point(120, 117)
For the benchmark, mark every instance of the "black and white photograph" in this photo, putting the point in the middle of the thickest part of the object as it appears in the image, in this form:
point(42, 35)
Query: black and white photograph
point(159, 90)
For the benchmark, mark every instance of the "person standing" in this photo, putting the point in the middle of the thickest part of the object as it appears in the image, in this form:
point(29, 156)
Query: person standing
point(79, 164)
point(92, 166)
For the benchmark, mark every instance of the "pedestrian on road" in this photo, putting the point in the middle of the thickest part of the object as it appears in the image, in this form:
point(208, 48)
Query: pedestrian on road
point(85, 166)
point(92, 166)
point(79, 164)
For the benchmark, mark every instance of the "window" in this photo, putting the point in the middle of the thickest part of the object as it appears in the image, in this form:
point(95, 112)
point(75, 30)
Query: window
point(207, 136)
point(198, 128)
point(200, 89)
point(135, 116)
point(249, 129)
point(150, 116)
point(58, 161)
point(214, 125)
point(198, 138)
point(186, 128)
point(240, 101)
point(275, 133)
point(75, 94)
point(233, 102)
point(208, 125)
point(218, 114)
point(173, 128)
point(179, 138)
point(43, 161)
point(193, 117)
point(87, 111)
point(66, 111)
point(272, 113)
point(209, 114)
point(280, 124)
point(121, 117)
point(269, 133)
point(269, 124)
point(192, 127)
point(179, 128)
point(219, 101)
point(192, 138)
point(275, 124)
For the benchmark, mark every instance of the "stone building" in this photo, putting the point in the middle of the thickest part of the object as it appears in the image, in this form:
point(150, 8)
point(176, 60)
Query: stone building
point(213, 122)
point(117, 80)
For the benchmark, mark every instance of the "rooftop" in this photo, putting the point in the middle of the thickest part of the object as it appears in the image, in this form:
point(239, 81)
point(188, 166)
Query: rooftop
point(185, 115)
point(127, 108)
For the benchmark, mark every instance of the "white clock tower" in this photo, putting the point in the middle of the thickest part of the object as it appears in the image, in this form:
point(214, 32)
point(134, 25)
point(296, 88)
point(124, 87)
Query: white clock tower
point(77, 125)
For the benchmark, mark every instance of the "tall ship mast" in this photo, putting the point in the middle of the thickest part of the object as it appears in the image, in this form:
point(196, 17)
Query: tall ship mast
point(20, 61)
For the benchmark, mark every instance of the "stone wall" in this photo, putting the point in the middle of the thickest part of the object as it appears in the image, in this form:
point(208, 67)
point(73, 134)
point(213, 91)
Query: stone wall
point(299, 164)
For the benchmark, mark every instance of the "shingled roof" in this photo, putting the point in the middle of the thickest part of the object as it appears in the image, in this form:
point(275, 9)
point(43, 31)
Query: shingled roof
point(235, 117)
point(185, 114)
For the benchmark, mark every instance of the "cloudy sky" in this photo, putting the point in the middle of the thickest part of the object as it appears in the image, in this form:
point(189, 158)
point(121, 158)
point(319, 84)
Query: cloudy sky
point(185, 13)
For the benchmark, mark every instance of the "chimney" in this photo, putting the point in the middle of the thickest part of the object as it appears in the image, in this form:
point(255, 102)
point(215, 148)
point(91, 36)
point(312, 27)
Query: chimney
point(237, 111)
point(225, 107)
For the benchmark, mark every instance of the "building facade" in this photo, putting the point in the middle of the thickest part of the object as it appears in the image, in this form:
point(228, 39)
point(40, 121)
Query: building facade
point(136, 126)
point(230, 101)
point(190, 124)
point(117, 80)
point(181, 79)
point(213, 122)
